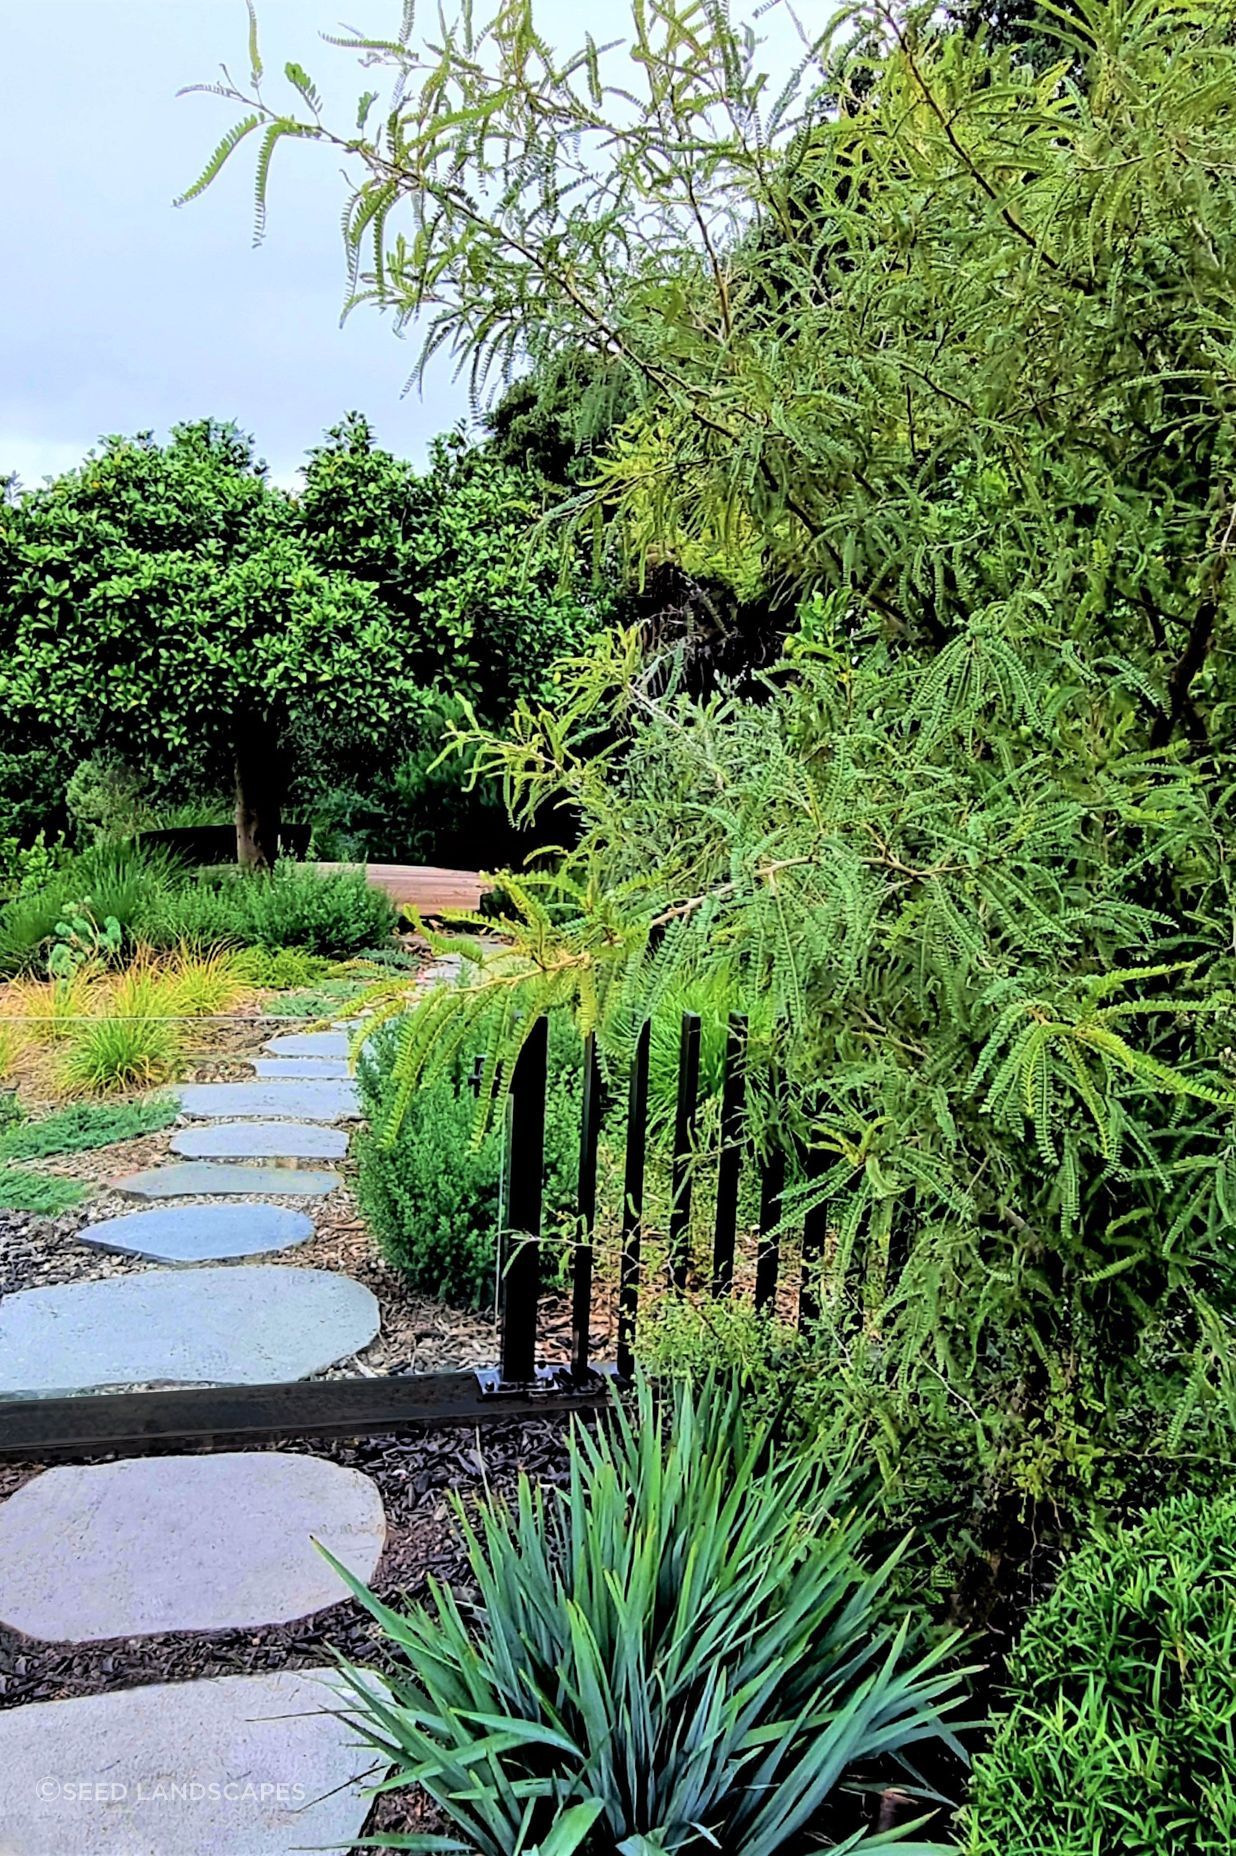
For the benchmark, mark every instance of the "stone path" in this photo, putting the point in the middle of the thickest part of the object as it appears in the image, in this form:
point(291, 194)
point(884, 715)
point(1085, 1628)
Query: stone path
point(231, 1765)
point(237, 1325)
point(313, 1100)
point(310, 1044)
point(199, 1233)
point(315, 1069)
point(195, 1178)
point(261, 1140)
point(182, 1543)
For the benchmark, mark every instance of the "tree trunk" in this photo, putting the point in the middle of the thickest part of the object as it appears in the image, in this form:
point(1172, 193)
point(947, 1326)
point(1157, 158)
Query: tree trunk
point(259, 794)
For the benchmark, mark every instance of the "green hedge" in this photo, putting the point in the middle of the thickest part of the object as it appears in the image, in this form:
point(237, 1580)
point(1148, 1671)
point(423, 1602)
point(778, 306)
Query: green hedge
point(431, 1198)
point(1121, 1734)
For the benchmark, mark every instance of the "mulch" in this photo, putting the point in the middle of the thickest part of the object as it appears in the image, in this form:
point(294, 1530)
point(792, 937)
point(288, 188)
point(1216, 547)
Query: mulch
point(415, 1477)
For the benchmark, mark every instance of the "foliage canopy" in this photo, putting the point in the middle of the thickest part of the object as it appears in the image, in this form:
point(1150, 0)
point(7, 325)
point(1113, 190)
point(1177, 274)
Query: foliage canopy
point(934, 346)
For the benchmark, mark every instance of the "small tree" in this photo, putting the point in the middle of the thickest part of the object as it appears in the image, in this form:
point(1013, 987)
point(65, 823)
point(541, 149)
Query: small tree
point(158, 604)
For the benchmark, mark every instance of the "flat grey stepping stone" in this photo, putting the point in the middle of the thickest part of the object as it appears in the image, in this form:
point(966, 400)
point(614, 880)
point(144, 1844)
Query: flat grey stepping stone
point(196, 1178)
point(261, 1140)
point(199, 1233)
point(303, 1069)
point(310, 1044)
point(242, 1325)
point(182, 1543)
point(228, 1766)
point(314, 1100)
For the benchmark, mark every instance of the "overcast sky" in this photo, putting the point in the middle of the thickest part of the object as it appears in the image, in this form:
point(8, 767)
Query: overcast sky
point(122, 313)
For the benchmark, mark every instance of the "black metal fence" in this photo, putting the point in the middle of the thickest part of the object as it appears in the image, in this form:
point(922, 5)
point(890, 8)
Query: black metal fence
point(521, 1274)
point(44, 1428)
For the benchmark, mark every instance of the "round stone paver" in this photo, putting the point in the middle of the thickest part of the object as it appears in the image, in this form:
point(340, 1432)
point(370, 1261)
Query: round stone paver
point(199, 1233)
point(177, 1543)
point(313, 1100)
point(244, 1324)
point(261, 1140)
point(303, 1069)
point(229, 1766)
point(310, 1044)
point(193, 1179)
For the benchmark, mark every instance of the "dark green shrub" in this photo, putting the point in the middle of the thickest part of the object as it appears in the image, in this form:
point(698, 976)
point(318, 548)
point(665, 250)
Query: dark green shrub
point(331, 913)
point(298, 906)
point(686, 1650)
point(432, 1197)
point(1121, 1734)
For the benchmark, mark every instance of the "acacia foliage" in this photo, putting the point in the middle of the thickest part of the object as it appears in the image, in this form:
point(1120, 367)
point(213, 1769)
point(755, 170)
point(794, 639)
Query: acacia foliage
point(941, 345)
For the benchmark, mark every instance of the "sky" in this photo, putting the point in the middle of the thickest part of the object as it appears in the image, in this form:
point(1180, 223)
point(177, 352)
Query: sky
point(123, 313)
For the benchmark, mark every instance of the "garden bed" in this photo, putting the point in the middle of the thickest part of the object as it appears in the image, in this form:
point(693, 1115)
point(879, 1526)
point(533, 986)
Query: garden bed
point(414, 1477)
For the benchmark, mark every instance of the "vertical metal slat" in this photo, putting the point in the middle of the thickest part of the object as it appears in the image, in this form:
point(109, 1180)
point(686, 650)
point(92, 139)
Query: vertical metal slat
point(521, 1283)
point(729, 1166)
point(581, 1276)
point(685, 1115)
point(633, 1204)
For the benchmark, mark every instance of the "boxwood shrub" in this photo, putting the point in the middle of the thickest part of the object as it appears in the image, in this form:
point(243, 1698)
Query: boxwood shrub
point(1121, 1728)
point(432, 1198)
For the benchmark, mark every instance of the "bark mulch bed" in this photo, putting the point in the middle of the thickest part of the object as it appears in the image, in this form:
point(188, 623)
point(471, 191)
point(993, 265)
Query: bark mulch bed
point(414, 1476)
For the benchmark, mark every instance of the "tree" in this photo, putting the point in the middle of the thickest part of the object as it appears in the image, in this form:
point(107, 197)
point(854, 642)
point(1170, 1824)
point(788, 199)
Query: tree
point(972, 412)
point(158, 604)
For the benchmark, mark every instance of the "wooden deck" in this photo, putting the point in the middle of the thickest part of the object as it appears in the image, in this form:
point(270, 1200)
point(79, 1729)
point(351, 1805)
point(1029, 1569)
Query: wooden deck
point(425, 887)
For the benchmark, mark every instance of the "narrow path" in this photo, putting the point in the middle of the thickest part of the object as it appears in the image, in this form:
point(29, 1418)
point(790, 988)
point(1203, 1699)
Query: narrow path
point(226, 1765)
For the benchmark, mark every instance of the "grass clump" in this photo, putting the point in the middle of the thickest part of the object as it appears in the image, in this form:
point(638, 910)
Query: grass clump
point(200, 985)
point(691, 1648)
point(134, 1047)
point(80, 1126)
point(43, 1193)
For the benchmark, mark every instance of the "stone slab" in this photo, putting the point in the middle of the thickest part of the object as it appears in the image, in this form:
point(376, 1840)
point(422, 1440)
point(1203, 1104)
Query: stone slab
point(277, 1101)
point(303, 1069)
point(239, 1325)
point(310, 1044)
point(194, 1179)
point(261, 1140)
point(199, 1233)
point(180, 1543)
point(228, 1766)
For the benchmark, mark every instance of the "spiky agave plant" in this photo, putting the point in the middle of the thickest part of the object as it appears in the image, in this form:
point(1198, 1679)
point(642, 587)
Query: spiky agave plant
point(681, 1651)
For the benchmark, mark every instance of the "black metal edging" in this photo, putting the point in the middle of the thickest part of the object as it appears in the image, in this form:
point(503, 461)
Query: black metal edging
point(39, 1428)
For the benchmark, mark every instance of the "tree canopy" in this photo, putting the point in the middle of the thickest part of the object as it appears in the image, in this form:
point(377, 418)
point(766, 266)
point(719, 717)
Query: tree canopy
point(165, 605)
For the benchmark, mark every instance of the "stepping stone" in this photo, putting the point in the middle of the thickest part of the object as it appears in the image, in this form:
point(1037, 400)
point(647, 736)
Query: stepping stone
point(199, 1233)
point(250, 1324)
point(261, 1140)
point(195, 1178)
point(303, 1069)
point(310, 1044)
point(177, 1543)
point(228, 1766)
point(314, 1100)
